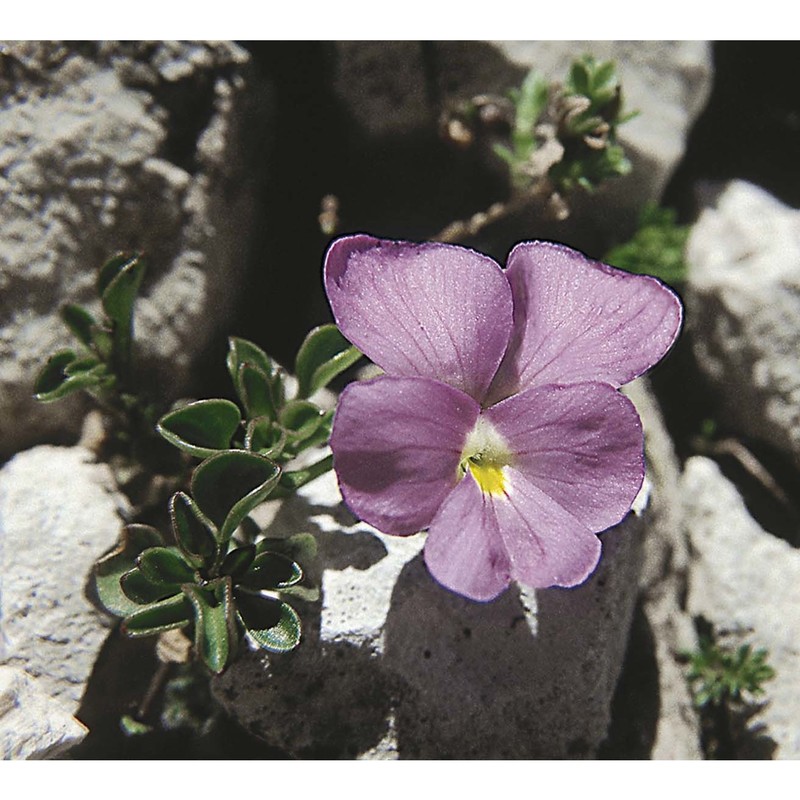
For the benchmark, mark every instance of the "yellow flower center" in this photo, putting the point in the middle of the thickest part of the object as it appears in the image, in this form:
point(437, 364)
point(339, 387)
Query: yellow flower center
point(489, 476)
point(485, 455)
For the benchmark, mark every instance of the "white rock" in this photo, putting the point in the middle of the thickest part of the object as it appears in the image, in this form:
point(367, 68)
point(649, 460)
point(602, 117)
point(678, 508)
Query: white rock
point(394, 666)
point(747, 583)
point(32, 724)
point(97, 155)
point(59, 513)
point(743, 300)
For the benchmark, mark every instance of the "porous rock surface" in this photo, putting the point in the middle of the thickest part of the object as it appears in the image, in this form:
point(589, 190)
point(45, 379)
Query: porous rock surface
point(747, 583)
point(59, 513)
point(32, 724)
point(743, 299)
point(392, 665)
point(104, 147)
point(665, 627)
point(393, 89)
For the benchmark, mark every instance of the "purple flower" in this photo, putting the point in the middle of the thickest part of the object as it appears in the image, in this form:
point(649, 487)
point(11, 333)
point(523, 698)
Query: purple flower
point(498, 425)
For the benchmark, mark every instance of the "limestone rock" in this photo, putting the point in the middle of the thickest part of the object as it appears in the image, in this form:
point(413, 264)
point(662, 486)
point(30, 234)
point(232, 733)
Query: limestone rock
point(118, 146)
point(59, 513)
point(394, 666)
point(33, 725)
point(743, 300)
point(747, 583)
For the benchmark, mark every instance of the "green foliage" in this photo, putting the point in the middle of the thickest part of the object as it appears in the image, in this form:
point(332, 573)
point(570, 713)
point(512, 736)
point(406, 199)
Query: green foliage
point(657, 248)
point(720, 675)
point(530, 101)
point(324, 354)
point(269, 424)
point(220, 589)
point(214, 576)
point(101, 364)
point(223, 589)
point(581, 117)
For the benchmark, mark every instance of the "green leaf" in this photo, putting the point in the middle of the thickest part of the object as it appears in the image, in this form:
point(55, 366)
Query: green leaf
point(109, 569)
point(324, 354)
point(265, 437)
point(165, 565)
point(657, 248)
point(213, 622)
point(227, 486)
point(301, 418)
point(322, 434)
point(174, 612)
point(301, 547)
point(291, 481)
point(53, 374)
point(55, 380)
point(142, 591)
point(117, 284)
point(191, 530)
point(308, 594)
point(202, 428)
point(531, 104)
point(578, 79)
point(271, 624)
point(82, 364)
point(110, 270)
point(103, 342)
point(242, 352)
point(605, 78)
point(132, 727)
point(256, 392)
point(80, 322)
point(238, 560)
point(505, 153)
point(272, 570)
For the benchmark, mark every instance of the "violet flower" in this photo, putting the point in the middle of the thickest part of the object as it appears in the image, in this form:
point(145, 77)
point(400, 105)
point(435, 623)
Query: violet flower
point(498, 425)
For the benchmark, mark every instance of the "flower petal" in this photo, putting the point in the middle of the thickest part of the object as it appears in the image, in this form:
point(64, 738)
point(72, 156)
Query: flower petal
point(580, 320)
point(464, 550)
point(396, 445)
point(546, 545)
point(430, 310)
point(581, 445)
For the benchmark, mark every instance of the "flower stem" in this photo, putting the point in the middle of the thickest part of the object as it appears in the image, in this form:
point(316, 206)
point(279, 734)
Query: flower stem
point(290, 481)
point(156, 685)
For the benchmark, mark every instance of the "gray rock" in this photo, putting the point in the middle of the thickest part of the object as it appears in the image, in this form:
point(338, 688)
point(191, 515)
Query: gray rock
point(59, 513)
point(668, 83)
point(32, 724)
point(394, 666)
point(747, 583)
point(743, 300)
point(664, 584)
point(118, 146)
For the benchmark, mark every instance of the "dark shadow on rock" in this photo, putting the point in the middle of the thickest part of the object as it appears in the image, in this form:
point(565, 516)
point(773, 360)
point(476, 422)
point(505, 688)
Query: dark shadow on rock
point(438, 644)
point(636, 706)
point(117, 685)
point(495, 680)
point(321, 701)
point(338, 549)
point(753, 741)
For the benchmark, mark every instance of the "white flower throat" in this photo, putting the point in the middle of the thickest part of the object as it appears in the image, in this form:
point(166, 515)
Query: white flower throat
point(485, 454)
